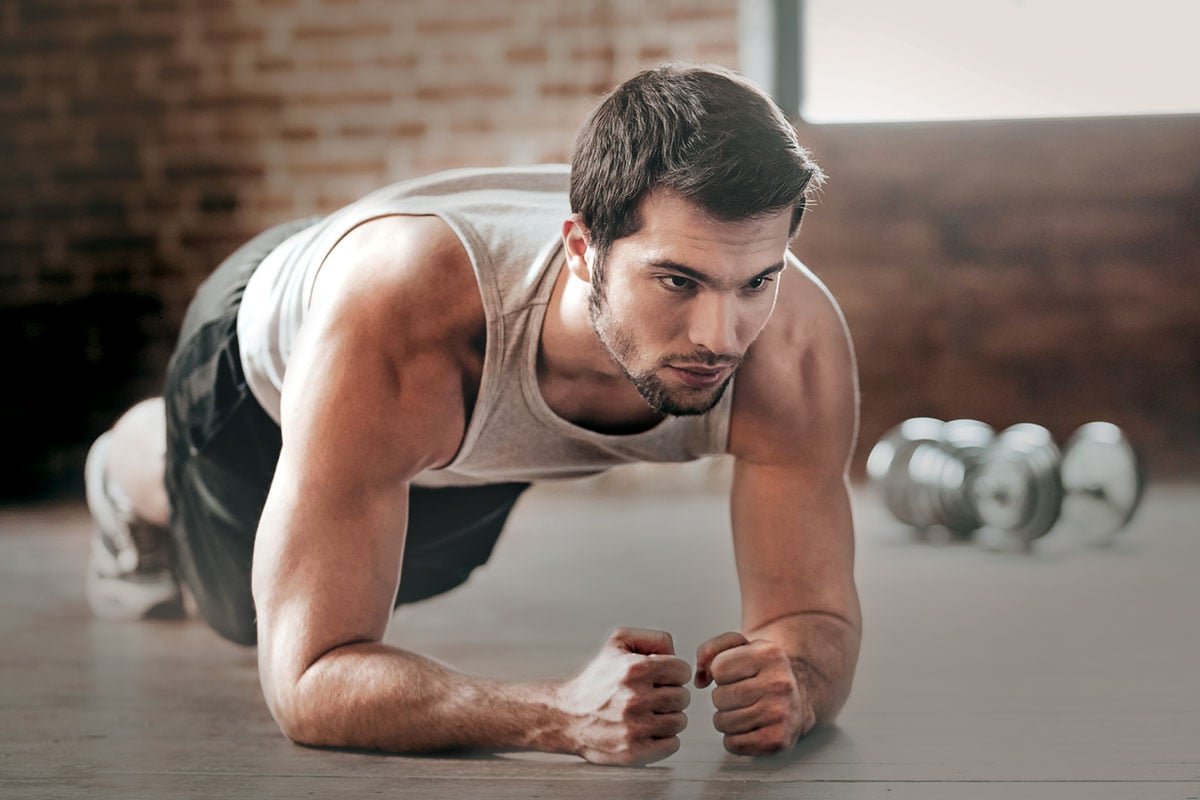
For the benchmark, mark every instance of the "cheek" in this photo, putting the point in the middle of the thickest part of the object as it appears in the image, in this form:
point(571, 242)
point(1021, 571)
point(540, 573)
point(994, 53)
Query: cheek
point(650, 316)
point(751, 320)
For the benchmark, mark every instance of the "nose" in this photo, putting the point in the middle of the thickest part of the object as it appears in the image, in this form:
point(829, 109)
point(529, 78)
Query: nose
point(714, 324)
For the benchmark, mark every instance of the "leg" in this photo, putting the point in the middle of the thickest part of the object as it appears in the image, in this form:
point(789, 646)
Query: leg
point(136, 450)
point(129, 572)
point(136, 545)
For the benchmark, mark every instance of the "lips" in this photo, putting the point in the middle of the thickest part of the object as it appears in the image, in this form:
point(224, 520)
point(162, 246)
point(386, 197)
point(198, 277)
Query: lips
point(699, 377)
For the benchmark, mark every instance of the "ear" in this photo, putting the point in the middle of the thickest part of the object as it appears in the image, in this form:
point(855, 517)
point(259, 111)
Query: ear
point(575, 245)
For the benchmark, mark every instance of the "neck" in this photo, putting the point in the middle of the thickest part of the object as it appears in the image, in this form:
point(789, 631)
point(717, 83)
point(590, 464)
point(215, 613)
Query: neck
point(577, 376)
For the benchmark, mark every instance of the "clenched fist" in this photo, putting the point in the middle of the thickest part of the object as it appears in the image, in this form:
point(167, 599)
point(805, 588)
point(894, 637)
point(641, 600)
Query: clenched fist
point(761, 707)
point(626, 707)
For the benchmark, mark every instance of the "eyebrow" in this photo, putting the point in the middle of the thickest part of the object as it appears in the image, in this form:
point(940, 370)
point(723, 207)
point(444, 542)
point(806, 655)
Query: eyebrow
point(700, 277)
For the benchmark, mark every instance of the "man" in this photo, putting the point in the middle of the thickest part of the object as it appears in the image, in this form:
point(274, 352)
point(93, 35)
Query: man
point(356, 402)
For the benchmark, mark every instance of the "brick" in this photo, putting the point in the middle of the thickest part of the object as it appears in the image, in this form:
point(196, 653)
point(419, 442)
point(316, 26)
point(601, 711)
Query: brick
point(121, 42)
point(207, 170)
point(530, 54)
point(157, 7)
point(331, 32)
point(654, 53)
point(698, 13)
point(298, 134)
point(179, 72)
point(234, 101)
point(574, 89)
point(105, 208)
point(127, 105)
point(57, 280)
point(273, 64)
point(396, 61)
point(325, 168)
point(344, 98)
point(225, 36)
point(470, 24)
point(473, 127)
point(408, 130)
point(594, 52)
point(360, 131)
point(217, 203)
point(98, 173)
point(480, 91)
point(216, 244)
point(11, 82)
point(110, 243)
point(327, 65)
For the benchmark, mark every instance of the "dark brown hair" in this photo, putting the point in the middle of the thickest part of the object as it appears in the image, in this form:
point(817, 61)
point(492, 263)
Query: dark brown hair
point(704, 132)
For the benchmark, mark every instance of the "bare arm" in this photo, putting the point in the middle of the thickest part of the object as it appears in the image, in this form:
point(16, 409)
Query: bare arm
point(374, 395)
point(795, 421)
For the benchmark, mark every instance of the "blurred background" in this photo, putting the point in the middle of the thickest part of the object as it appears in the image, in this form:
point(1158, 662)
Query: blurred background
point(1036, 259)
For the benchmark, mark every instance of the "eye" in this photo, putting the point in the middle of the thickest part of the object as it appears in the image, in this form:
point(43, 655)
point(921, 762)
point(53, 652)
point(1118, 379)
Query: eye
point(758, 284)
point(676, 282)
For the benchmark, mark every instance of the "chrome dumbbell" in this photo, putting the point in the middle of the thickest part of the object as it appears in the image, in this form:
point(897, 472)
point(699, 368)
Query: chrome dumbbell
point(925, 467)
point(959, 476)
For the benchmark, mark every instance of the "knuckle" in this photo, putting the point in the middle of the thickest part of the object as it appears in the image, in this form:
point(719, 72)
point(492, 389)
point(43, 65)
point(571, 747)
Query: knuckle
point(779, 684)
point(634, 705)
point(738, 747)
point(775, 739)
point(637, 671)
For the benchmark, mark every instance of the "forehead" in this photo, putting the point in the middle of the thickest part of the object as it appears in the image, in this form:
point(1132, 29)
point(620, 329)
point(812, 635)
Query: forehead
point(676, 229)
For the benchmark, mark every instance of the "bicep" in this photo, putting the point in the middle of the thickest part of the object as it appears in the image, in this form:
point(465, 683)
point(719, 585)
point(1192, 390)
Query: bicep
point(356, 428)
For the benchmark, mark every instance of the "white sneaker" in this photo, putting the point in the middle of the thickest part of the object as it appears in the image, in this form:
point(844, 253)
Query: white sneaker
point(129, 571)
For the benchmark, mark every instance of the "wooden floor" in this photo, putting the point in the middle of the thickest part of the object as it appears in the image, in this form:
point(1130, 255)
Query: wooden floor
point(1073, 672)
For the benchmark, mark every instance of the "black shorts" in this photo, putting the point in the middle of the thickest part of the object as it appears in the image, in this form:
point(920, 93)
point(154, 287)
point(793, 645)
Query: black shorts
point(222, 449)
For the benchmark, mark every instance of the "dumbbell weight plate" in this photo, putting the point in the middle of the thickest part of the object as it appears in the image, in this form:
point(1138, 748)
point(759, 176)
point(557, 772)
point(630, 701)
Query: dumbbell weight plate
point(888, 464)
point(1102, 480)
point(1017, 488)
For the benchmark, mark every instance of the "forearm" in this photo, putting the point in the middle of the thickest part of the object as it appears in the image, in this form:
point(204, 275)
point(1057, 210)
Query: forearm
point(371, 696)
point(823, 649)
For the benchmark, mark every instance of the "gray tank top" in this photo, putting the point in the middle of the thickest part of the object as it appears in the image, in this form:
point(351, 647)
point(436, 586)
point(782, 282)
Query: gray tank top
point(509, 221)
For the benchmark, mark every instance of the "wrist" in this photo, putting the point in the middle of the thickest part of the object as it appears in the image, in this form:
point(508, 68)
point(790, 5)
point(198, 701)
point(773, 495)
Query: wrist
point(808, 714)
point(550, 728)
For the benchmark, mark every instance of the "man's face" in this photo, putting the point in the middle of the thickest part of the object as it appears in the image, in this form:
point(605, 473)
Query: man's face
point(681, 300)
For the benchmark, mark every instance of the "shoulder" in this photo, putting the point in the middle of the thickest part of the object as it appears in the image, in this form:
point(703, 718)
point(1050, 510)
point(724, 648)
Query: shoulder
point(411, 274)
point(796, 394)
point(393, 341)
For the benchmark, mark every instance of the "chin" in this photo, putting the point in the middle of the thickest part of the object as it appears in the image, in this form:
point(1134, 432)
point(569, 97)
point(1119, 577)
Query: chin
point(682, 403)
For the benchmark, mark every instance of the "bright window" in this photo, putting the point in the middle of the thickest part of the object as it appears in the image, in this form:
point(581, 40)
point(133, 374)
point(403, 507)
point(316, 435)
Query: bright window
point(895, 60)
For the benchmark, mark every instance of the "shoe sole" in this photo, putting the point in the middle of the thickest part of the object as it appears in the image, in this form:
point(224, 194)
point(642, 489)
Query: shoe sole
point(113, 590)
point(132, 598)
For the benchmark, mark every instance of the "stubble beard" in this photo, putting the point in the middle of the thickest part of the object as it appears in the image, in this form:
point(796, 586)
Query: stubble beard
point(678, 403)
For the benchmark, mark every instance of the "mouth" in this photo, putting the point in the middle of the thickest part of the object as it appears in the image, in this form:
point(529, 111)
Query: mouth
point(697, 376)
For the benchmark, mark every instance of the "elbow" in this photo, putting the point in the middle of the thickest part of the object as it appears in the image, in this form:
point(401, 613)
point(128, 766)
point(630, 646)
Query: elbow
point(295, 708)
point(291, 713)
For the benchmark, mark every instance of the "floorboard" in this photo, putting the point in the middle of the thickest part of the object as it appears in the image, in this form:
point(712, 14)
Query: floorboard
point(1071, 671)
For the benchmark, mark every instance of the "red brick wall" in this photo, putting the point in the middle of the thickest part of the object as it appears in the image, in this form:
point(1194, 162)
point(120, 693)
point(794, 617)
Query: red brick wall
point(143, 140)
point(1029, 270)
point(1038, 271)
